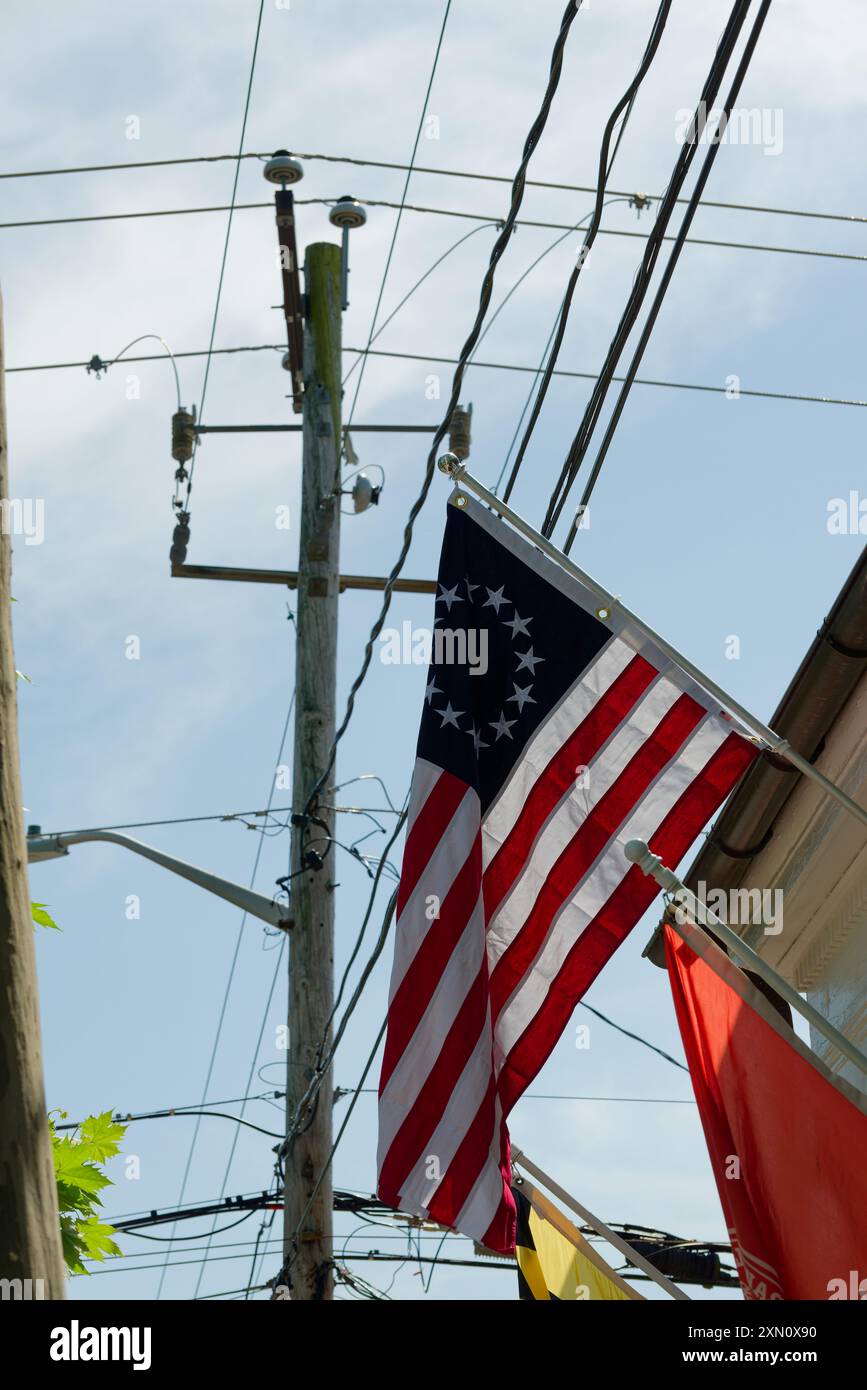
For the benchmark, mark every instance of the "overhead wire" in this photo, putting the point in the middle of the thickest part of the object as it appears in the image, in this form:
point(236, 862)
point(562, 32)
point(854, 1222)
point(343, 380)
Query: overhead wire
point(396, 228)
point(225, 254)
point(606, 163)
point(293, 1241)
point(499, 247)
point(639, 381)
point(794, 396)
point(852, 218)
point(542, 224)
point(431, 268)
point(189, 1111)
point(265, 1012)
point(579, 451)
point(231, 976)
point(653, 247)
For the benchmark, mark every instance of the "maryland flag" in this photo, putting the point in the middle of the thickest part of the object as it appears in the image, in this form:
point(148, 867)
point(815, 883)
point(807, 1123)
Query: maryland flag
point(554, 1260)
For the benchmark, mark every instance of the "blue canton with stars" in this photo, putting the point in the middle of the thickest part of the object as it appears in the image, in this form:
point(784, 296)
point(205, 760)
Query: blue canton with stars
point(538, 643)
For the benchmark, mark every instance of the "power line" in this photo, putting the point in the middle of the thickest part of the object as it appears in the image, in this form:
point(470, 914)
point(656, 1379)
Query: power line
point(434, 212)
point(277, 967)
point(639, 381)
point(653, 248)
point(382, 327)
point(547, 1095)
point(293, 1243)
point(490, 366)
point(151, 357)
point(485, 293)
point(388, 258)
point(234, 962)
point(636, 1037)
point(227, 816)
point(605, 166)
point(190, 1111)
point(225, 249)
point(581, 443)
point(851, 218)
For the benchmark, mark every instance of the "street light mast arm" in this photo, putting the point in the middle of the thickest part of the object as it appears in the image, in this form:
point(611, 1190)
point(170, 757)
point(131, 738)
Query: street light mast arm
point(52, 846)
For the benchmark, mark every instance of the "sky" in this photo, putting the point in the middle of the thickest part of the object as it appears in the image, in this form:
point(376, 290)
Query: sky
point(154, 699)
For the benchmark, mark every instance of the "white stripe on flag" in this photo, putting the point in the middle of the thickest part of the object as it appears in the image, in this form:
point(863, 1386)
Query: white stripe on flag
point(436, 879)
point(573, 811)
point(424, 1047)
point(458, 1115)
point(590, 688)
point(603, 879)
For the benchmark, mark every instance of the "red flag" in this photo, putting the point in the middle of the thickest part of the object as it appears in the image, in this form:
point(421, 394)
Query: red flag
point(787, 1140)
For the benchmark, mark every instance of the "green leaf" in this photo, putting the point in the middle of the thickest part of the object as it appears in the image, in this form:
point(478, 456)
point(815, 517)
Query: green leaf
point(96, 1235)
point(42, 918)
point(101, 1135)
point(79, 1183)
point(73, 1247)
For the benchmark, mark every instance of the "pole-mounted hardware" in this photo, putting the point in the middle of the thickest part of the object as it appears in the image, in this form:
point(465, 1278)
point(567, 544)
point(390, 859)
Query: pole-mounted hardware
point(459, 431)
point(282, 169)
point(348, 215)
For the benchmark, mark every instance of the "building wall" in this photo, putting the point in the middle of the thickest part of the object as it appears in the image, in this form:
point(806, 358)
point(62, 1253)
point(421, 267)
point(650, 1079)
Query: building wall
point(818, 859)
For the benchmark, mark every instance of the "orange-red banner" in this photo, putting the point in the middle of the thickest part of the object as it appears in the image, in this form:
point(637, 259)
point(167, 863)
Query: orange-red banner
point(787, 1140)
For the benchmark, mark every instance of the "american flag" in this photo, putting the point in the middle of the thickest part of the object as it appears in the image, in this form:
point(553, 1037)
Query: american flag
point(550, 736)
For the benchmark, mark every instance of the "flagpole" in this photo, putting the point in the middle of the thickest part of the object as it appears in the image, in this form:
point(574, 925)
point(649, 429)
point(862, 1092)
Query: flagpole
point(637, 852)
point(628, 1251)
point(452, 466)
point(545, 1208)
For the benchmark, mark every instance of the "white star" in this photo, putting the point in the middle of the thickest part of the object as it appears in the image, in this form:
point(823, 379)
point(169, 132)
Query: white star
point(448, 596)
point(518, 626)
point(523, 697)
point(502, 726)
point(449, 715)
point(495, 598)
point(478, 741)
point(431, 689)
point(470, 588)
point(528, 662)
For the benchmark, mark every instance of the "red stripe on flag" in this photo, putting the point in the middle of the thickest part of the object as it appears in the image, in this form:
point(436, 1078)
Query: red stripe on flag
point(414, 993)
point(468, 1162)
point(590, 840)
point(500, 1235)
point(615, 920)
point(559, 776)
point(427, 830)
point(409, 1143)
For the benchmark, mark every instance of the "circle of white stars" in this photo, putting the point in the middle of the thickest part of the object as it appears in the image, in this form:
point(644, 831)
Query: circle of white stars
point(527, 663)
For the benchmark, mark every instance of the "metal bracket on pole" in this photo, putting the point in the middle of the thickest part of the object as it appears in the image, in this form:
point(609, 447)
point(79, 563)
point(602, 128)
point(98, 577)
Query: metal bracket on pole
point(637, 852)
point(452, 466)
point(292, 303)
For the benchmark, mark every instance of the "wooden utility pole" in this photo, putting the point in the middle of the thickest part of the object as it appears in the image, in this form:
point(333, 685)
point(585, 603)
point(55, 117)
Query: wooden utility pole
point(30, 1246)
point(311, 942)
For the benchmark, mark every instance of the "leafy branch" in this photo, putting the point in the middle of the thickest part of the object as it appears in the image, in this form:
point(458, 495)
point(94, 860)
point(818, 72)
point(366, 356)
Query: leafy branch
point(80, 1179)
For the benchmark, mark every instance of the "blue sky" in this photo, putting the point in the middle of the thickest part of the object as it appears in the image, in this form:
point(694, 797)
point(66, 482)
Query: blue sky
point(709, 518)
